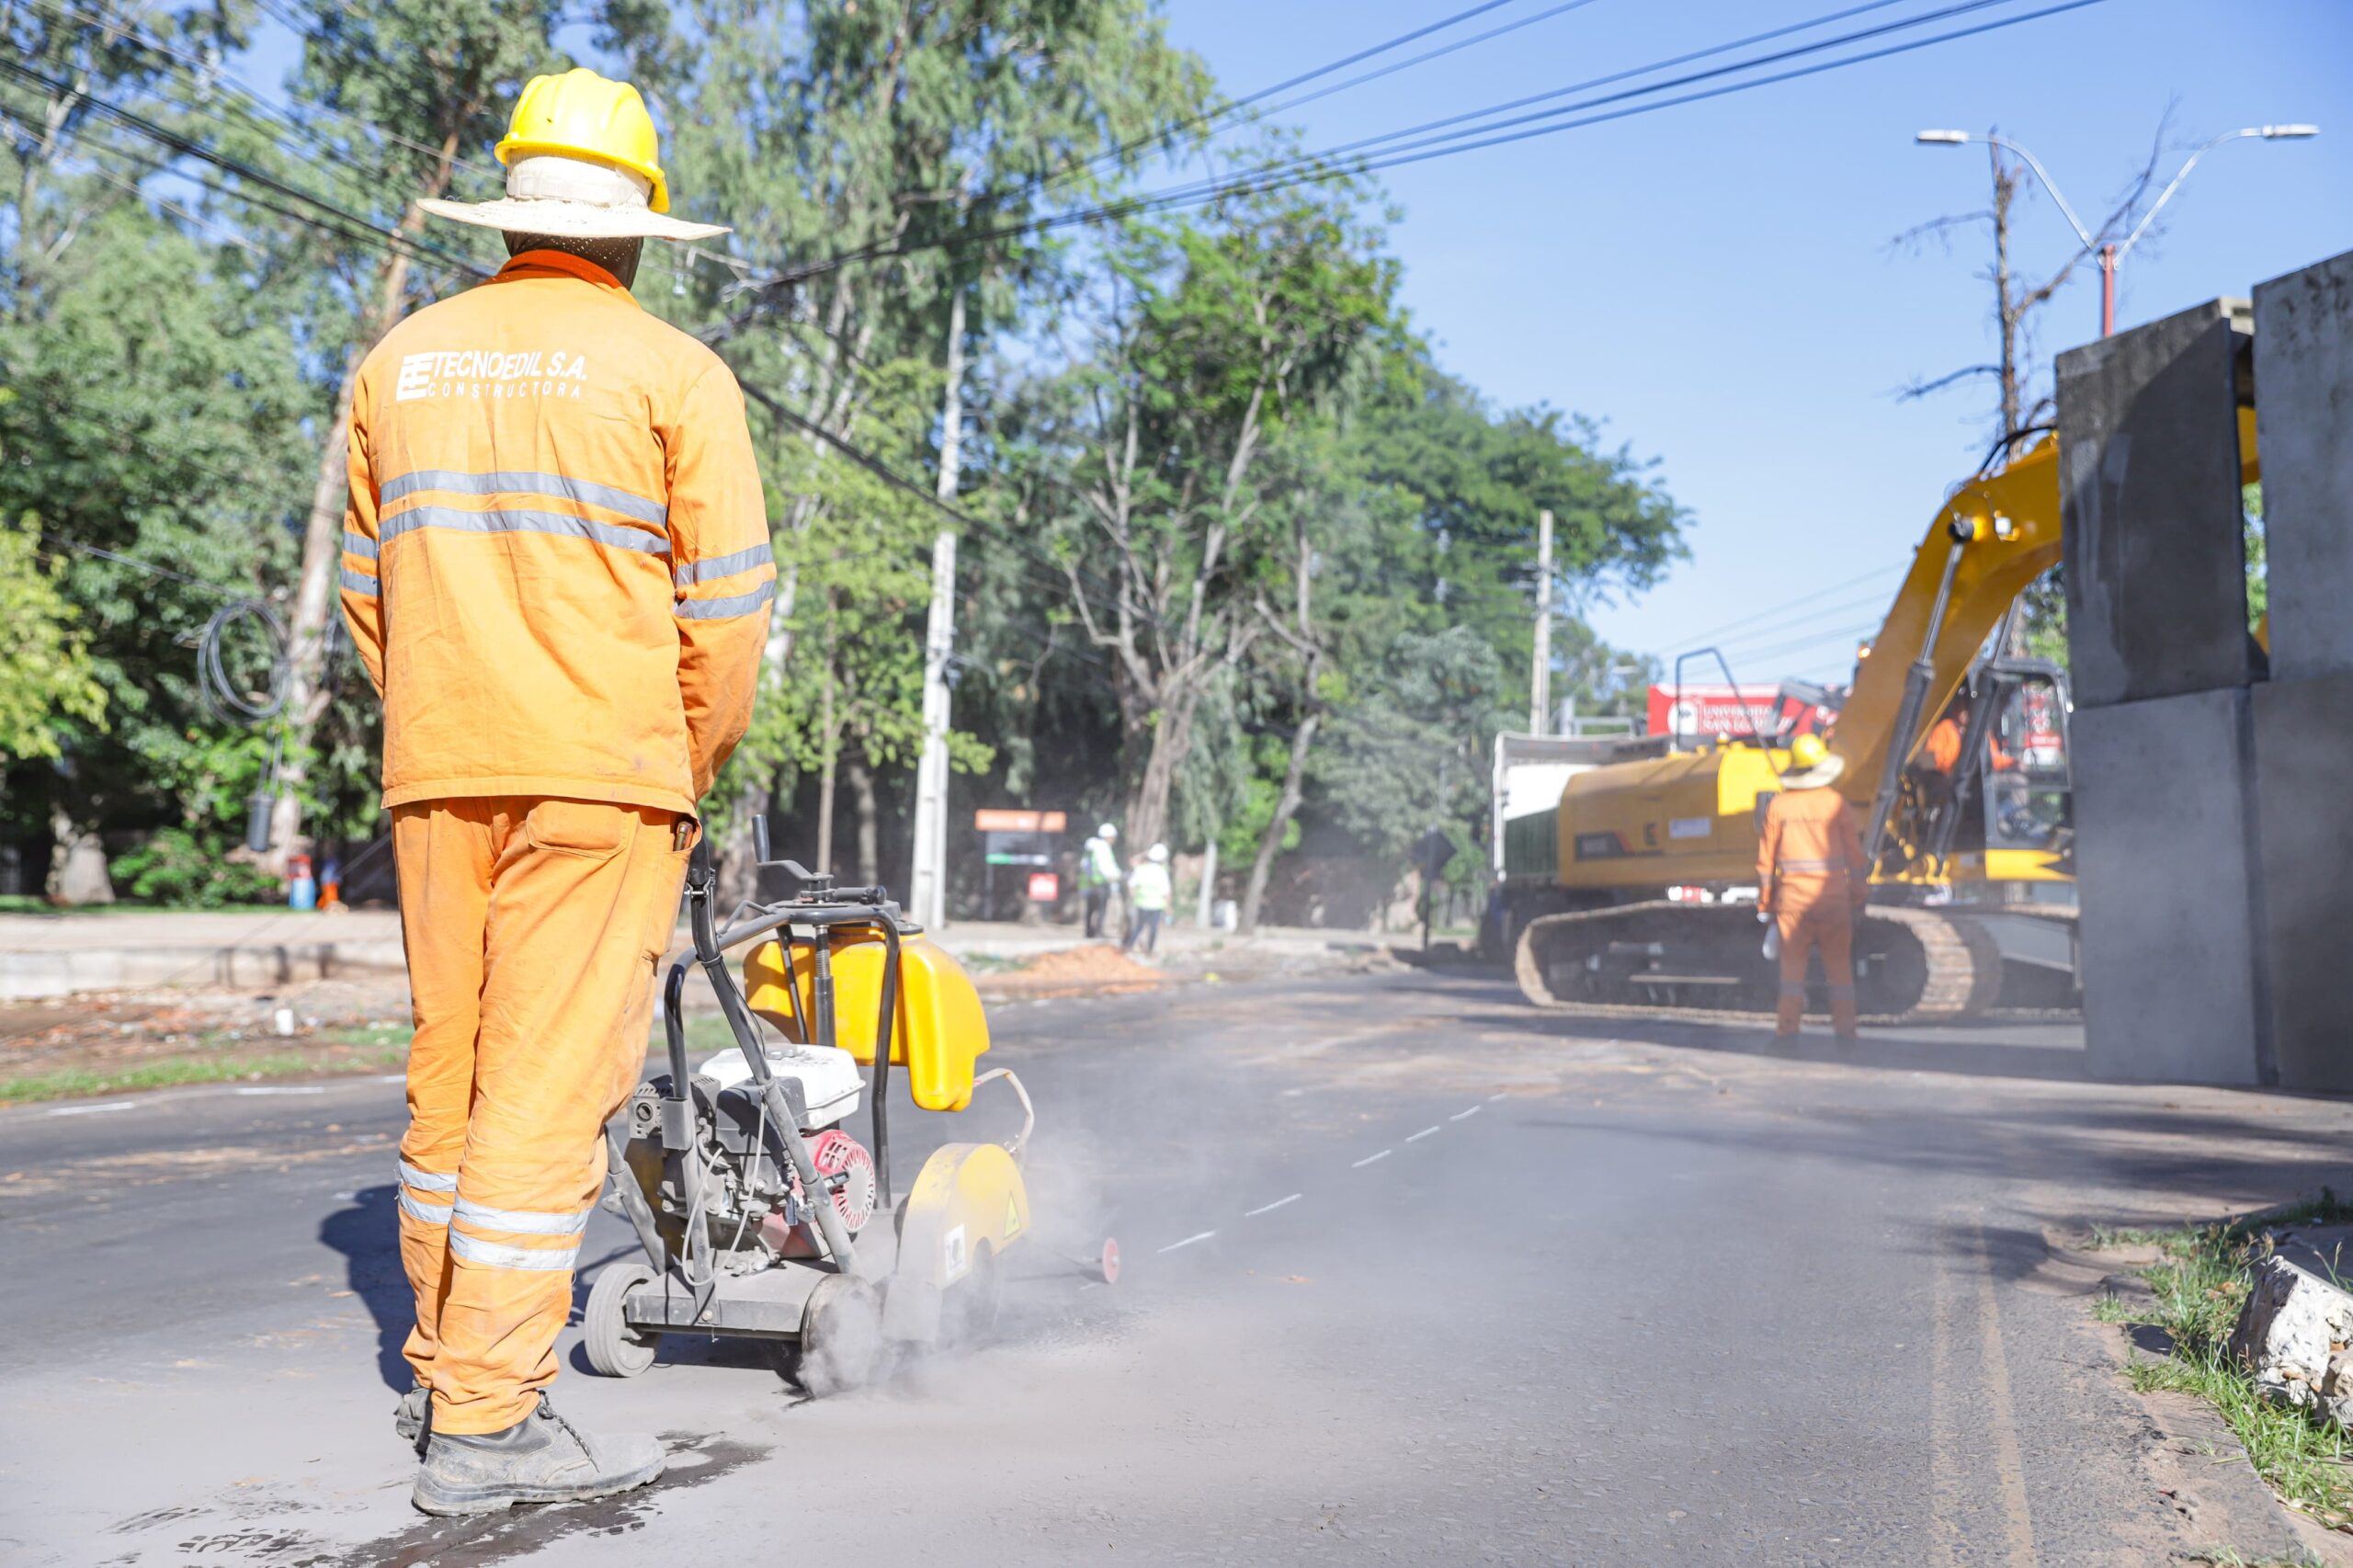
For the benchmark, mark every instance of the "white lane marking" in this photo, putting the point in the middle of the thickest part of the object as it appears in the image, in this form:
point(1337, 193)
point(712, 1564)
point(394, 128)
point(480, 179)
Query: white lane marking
point(1460, 1115)
point(1417, 1137)
point(94, 1109)
point(390, 1078)
point(1090, 1285)
point(282, 1089)
point(1493, 1098)
point(1188, 1241)
point(1369, 1158)
point(1270, 1208)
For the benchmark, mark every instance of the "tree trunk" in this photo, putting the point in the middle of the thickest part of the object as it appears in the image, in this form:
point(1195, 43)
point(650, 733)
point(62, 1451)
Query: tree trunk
point(1271, 843)
point(869, 834)
point(829, 767)
point(1205, 905)
point(315, 598)
point(1172, 737)
point(77, 862)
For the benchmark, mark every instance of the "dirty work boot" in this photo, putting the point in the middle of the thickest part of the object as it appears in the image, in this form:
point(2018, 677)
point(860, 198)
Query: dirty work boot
point(413, 1417)
point(540, 1459)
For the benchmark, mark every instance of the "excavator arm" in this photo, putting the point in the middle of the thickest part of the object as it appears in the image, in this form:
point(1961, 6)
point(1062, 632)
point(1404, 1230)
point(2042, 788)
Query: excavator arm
point(1994, 536)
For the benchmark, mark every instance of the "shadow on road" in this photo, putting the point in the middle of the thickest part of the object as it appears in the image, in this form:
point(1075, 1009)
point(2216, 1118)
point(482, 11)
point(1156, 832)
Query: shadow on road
point(368, 1235)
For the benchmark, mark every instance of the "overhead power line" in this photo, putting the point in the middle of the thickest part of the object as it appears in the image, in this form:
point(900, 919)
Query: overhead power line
point(354, 226)
point(1429, 55)
point(1315, 167)
point(1222, 111)
point(1702, 638)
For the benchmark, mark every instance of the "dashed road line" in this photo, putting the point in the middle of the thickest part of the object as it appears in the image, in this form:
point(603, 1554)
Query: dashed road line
point(94, 1109)
point(1375, 1158)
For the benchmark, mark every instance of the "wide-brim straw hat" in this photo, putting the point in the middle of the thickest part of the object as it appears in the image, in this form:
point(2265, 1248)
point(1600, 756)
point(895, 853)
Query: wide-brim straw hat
point(573, 199)
point(1826, 771)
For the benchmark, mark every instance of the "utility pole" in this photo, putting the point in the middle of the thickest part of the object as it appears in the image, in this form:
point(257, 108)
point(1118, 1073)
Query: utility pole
point(1540, 674)
point(927, 899)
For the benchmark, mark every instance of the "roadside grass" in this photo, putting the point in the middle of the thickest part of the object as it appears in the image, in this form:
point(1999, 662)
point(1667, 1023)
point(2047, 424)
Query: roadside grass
point(2197, 1286)
point(2232, 1557)
point(362, 1048)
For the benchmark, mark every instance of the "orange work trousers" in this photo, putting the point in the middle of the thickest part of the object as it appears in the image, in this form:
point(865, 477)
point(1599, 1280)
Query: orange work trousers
point(534, 927)
point(1828, 924)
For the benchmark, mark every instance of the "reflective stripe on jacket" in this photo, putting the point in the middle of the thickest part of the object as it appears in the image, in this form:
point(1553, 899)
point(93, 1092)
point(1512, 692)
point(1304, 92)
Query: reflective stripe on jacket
point(556, 561)
point(1809, 851)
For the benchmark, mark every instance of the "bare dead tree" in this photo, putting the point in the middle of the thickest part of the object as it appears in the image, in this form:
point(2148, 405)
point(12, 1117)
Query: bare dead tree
point(2018, 406)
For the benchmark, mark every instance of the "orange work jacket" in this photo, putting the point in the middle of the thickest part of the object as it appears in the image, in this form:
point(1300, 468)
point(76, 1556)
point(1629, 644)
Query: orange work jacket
point(555, 557)
point(1943, 745)
point(1810, 853)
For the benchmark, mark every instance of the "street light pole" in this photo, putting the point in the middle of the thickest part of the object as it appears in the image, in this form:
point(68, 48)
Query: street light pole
point(2111, 254)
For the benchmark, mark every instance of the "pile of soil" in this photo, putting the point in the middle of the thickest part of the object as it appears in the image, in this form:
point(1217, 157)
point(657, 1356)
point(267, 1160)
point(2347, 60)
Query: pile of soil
point(1097, 970)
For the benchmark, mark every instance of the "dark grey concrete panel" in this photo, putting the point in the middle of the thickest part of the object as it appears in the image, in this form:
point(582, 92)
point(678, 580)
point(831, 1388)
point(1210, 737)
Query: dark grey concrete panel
point(2303, 415)
point(2172, 991)
point(2149, 490)
point(2307, 875)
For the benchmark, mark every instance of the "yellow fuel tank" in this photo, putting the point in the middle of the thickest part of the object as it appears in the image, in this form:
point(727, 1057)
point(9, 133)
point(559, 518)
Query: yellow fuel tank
point(940, 1030)
point(1686, 817)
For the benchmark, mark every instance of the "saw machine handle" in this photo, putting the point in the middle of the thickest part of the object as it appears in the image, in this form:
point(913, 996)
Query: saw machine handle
point(1019, 1142)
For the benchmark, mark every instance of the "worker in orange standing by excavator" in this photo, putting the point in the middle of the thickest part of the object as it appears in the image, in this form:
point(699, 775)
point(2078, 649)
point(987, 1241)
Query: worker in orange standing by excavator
point(556, 568)
point(1811, 879)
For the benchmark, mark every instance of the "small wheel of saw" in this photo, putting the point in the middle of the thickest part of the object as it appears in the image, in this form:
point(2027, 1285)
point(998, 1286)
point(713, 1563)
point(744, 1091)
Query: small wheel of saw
point(614, 1347)
point(841, 1336)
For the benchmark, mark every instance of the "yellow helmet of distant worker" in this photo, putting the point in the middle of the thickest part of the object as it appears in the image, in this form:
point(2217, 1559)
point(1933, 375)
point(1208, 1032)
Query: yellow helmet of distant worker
point(583, 115)
point(1807, 752)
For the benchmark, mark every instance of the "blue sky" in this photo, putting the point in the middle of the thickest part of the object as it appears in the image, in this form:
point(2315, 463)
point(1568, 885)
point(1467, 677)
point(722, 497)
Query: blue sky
point(1716, 282)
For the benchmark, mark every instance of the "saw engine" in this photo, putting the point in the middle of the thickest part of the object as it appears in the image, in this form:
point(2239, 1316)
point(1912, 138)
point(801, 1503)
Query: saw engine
point(759, 1216)
point(747, 1205)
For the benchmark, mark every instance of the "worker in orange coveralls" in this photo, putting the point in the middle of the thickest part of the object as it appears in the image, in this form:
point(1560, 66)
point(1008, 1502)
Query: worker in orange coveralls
point(556, 568)
point(1811, 879)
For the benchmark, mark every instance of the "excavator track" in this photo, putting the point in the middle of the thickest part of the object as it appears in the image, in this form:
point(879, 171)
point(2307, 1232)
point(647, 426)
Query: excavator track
point(1911, 965)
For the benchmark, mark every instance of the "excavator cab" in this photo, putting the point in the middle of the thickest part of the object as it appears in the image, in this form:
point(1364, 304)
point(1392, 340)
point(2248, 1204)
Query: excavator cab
point(1988, 797)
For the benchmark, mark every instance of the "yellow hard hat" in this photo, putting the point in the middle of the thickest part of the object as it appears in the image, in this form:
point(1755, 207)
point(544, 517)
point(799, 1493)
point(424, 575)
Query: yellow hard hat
point(583, 115)
point(1807, 752)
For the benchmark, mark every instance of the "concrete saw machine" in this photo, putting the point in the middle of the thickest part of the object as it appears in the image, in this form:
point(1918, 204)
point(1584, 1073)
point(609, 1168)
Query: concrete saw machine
point(760, 1215)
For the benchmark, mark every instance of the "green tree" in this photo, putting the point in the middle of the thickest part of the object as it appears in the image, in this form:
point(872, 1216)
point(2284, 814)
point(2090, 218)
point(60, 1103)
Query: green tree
point(46, 674)
point(1411, 756)
point(1219, 336)
point(900, 134)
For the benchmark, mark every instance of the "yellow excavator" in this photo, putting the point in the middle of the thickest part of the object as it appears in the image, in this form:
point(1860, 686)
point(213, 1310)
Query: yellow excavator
point(1651, 903)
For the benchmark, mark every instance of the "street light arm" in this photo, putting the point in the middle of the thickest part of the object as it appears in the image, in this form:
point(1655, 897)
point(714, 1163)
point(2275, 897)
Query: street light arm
point(2051, 186)
point(2125, 249)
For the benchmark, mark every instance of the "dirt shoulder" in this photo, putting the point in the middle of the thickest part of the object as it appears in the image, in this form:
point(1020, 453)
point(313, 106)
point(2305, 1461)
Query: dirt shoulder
point(118, 1042)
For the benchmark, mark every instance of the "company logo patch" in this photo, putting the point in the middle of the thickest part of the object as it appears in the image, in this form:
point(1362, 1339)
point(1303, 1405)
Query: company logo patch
point(481, 373)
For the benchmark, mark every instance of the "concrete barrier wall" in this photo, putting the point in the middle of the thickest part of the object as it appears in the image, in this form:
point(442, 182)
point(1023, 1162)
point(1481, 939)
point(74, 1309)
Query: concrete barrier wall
point(2170, 882)
point(2304, 715)
point(2149, 493)
point(2173, 975)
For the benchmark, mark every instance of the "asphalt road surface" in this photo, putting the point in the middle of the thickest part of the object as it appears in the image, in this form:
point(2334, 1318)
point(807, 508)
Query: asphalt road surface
point(1414, 1275)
